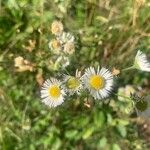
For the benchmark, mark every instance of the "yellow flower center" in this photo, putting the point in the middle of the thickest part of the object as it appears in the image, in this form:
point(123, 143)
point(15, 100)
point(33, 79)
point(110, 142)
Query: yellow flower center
point(73, 83)
point(96, 82)
point(142, 105)
point(54, 91)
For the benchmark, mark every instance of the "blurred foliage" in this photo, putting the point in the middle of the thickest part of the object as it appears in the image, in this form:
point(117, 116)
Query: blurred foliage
point(108, 32)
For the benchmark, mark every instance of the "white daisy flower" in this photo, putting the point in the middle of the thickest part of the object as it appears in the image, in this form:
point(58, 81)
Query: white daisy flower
point(66, 40)
point(51, 93)
point(143, 107)
point(99, 82)
point(73, 84)
point(141, 62)
point(63, 61)
point(65, 37)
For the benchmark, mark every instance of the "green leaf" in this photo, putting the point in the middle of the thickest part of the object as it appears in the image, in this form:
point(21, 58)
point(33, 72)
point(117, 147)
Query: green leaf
point(102, 19)
point(109, 118)
point(56, 144)
point(122, 130)
point(115, 147)
point(99, 118)
point(12, 4)
point(88, 132)
point(123, 122)
point(71, 134)
point(102, 143)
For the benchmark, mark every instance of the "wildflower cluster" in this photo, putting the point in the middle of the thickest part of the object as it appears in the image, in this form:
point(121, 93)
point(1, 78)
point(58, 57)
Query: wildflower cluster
point(63, 43)
point(97, 82)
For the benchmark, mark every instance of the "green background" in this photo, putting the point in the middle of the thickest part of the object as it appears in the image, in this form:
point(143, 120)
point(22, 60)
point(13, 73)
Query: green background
point(108, 33)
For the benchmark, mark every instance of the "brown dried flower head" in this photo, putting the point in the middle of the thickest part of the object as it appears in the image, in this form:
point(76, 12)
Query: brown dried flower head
point(69, 47)
point(140, 3)
point(115, 71)
point(30, 46)
point(19, 61)
point(39, 78)
point(55, 44)
point(57, 27)
point(23, 65)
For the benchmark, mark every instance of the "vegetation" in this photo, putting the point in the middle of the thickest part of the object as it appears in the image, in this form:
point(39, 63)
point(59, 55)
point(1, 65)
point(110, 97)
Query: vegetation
point(107, 33)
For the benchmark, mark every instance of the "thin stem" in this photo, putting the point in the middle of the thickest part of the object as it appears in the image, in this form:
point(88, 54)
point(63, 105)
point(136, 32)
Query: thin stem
point(123, 96)
point(66, 71)
point(129, 68)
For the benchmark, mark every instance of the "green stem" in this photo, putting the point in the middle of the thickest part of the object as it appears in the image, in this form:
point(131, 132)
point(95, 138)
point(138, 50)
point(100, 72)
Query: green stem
point(123, 96)
point(129, 68)
point(66, 71)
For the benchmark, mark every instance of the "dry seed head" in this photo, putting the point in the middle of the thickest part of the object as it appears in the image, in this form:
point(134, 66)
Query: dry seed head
point(55, 44)
point(19, 61)
point(57, 27)
point(69, 48)
point(140, 3)
point(23, 65)
point(115, 71)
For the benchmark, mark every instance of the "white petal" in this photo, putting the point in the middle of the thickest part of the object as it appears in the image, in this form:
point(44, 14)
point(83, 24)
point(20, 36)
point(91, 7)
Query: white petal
point(46, 98)
point(141, 62)
point(106, 74)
